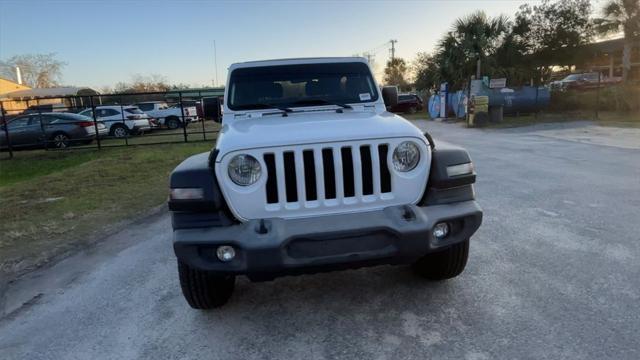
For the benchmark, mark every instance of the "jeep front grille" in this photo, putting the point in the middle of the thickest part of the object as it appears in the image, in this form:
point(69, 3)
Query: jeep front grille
point(306, 180)
point(329, 173)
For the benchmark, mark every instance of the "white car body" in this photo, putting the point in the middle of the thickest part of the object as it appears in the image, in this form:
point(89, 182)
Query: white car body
point(162, 111)
point(112, 115)
point(315, 128)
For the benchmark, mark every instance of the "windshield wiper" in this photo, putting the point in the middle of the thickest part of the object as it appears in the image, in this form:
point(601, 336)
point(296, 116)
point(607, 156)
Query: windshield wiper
point(321, 102)
point(284, 109)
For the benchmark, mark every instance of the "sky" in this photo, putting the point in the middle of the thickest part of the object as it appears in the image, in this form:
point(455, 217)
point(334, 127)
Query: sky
point(105, 42)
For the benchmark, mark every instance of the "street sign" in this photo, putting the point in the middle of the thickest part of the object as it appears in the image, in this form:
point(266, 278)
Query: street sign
point(497, 83)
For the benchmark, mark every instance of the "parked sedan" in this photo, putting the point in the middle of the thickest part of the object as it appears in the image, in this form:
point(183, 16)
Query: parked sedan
point(121, 121)
point(50, 129)
point(407, 103)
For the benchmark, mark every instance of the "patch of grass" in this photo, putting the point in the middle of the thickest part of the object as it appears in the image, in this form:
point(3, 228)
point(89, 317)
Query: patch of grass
point(618, 119)
point(53, 202)
point(421, 115)
point(197, 131)
point(46, 162)
point(605, 118)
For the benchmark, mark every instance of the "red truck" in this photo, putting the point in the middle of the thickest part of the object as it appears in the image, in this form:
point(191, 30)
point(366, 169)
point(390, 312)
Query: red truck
point(407, 103)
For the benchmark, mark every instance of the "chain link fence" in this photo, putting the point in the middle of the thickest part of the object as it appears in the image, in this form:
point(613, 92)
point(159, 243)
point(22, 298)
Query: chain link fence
point(103, 121)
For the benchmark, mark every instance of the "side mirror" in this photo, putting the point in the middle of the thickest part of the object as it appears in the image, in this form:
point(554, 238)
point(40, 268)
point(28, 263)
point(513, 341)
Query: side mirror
point(211, 109)
point(390, 96)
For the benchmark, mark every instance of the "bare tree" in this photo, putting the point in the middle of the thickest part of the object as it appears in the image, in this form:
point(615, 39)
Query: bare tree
point(149, 83)
point(38, 70)
point(143, 83)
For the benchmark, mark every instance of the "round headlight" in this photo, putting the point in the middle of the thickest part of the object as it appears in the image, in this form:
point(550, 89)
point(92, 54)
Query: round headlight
point(406, 156)
point(244, 170)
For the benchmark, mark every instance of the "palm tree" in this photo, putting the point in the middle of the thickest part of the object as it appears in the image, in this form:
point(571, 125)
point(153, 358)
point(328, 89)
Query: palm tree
point(471, 40)
point(622, 15)
point(479, 35)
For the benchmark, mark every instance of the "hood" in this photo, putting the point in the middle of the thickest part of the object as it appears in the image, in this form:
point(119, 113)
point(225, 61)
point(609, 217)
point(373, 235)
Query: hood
point(312, 127)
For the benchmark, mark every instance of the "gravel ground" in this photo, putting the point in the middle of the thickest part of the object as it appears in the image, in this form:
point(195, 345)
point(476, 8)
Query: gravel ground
point(554, 272)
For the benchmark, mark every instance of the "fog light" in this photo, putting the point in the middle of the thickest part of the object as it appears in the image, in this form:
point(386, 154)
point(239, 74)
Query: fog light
point(225, 253)
point(441, 230)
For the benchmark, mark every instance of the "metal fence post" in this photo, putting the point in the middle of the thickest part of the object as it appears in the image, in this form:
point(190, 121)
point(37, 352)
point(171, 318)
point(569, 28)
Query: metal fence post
point(184, 120)
point(124, 123)
point(95, 120)
point(45, 142)
point(598, 95)
point(204, 132)
point(5, 126)
point(536, 109)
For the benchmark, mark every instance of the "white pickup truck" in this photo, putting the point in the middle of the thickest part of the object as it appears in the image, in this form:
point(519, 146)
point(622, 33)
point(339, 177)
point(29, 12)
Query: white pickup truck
point(169, 116)
point(311, 173)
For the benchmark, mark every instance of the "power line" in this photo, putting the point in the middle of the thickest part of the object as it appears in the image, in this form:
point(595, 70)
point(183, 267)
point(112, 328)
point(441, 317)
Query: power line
point(393, 48)
point(376, 49)
point(215, 62)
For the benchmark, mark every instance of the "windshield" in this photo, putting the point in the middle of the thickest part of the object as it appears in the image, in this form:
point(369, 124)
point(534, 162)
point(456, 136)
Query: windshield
point(573, 77)
point(77, 117)
point(301, 85)
point(133, 110)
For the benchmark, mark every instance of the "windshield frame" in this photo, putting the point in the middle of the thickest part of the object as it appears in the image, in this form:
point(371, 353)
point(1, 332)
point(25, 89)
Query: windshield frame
point(358, 68)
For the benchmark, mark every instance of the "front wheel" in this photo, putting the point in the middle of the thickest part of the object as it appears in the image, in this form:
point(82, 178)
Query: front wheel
point(173, 123)
point(60, 140)
point(204, 290)
point(444, 264)
point(119, 131)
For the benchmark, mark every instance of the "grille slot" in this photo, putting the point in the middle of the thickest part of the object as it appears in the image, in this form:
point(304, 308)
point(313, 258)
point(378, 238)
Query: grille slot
point(272, 181)
point(329, 174)
point(385, 175)
point(347, 174)
point(367, 170)
point(290, 176)
point(310, 175)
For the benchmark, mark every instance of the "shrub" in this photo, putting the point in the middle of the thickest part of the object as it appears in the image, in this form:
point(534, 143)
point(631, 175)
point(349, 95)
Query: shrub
point(624, 98)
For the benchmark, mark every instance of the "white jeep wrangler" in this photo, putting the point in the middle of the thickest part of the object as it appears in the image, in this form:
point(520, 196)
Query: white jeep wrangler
point(311, 173)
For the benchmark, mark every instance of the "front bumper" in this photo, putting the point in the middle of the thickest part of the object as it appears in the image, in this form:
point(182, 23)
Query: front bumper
point(274, 247)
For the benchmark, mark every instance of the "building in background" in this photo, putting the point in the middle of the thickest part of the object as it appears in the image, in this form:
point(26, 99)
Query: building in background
point(606, 57)
point(72, 98)
point(8, 86)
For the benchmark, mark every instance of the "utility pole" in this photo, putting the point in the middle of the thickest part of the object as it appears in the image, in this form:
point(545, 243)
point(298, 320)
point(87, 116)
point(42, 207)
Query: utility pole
point(393, 48)
point(215, 63)
point(368, 56)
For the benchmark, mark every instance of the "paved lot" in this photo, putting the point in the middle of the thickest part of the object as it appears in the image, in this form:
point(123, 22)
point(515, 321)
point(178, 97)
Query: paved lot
point(554, 273)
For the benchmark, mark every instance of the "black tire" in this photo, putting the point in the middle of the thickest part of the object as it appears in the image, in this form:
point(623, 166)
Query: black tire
point(119, 131)
point(204, 290)
point(60, 140)
point(173, 123)
point(445, 264)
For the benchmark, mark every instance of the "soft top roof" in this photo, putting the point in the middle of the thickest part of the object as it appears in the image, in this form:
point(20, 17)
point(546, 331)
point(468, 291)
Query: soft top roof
point(297, 61)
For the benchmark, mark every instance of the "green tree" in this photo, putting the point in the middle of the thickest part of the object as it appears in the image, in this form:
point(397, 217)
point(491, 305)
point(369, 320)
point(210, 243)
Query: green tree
point(621, 15)
point(396, 73)
point(426, 70)
point(471, 43)
point(553, 32)
point(479, 36)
